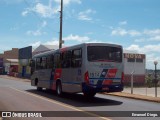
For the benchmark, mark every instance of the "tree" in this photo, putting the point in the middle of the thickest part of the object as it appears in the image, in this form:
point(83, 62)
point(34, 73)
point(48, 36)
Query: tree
point(149, 80)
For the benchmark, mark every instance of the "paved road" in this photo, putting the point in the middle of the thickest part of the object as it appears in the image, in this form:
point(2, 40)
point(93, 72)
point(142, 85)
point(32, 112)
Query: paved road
point(20, 96)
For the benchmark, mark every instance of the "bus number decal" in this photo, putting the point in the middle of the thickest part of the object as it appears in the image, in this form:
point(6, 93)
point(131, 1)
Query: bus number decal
point(94, 74)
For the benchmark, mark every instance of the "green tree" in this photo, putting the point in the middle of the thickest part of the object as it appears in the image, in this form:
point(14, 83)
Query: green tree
point(149, 80)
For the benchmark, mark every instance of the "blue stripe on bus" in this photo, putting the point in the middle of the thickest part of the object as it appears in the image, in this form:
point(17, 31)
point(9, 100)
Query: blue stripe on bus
point(62, 82)
point(105, 78)
point(78, 83)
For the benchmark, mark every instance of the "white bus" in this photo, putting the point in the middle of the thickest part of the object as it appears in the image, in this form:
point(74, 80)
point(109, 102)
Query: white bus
point(87, 68)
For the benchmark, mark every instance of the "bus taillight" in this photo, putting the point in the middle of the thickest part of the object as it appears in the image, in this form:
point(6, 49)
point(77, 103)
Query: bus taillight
point(86, 78)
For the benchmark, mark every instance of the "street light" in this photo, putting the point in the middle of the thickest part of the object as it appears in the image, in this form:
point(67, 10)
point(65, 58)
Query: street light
point(155, 80)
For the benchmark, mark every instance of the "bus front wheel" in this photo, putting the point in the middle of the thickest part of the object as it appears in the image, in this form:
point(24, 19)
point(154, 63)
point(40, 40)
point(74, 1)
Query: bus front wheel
point(89, 94)
point(59, 88)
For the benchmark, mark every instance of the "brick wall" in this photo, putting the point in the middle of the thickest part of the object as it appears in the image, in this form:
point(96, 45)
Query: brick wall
point(138, 80)
point(11, 54)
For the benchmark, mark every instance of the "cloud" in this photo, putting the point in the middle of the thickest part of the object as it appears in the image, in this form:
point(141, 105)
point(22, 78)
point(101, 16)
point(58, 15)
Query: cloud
point(47, 11)
point(44, 11)
point(123, 23)
point(35, 33)
point(155, 38)
point(119, 31)
point(146, 35)
point(152, 53)
point(53, 42)
point(140, 40)
point(133, 47)
point(153, 35)
point(85, 15)
point(145, 49)
point(134, 33)
point(50, 42)
point(149, 35)
point(69, 40)
point(76, 38)
point(152, 32)
point(44, 24)
point(39, 31)
point(35, 44)
point(67, 2)
point(122, 32)
point(24, 13)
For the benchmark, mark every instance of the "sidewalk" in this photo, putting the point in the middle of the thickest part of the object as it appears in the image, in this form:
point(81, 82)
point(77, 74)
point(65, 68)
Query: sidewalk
point(139, 93)
point(147, 94)
point(136, 96)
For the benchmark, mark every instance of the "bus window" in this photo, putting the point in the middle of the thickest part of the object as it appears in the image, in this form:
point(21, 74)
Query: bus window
point(77, 58)
point(50, 61)
point(44, 63)
point(32, 65)
point(38, 63)
point(57, 60)
point(66, 59)
point(104, 53)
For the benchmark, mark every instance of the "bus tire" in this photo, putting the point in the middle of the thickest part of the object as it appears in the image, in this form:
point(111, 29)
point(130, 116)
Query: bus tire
point(89, 95)
point(39, 88)
point(59, 88)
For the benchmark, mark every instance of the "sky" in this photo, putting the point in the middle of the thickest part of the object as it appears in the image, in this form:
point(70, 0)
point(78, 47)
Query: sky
point(134, 24)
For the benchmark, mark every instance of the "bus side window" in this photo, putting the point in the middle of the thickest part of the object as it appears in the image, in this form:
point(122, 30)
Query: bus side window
point(44, 63)
point(76, 58)
point(50, 61)
point(32, 65)
point(66, 59)
point(38, 63)
point(57, 61)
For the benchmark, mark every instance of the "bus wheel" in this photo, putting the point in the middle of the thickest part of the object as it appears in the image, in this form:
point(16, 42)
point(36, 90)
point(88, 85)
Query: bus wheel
point(59, 88)
point(89, 95)
point(39, 88)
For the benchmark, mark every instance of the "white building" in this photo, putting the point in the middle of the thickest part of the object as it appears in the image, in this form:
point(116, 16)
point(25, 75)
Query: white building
point(134, 63)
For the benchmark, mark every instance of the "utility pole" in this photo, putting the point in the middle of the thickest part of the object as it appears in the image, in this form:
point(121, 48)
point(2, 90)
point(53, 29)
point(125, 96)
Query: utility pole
point(61, 20)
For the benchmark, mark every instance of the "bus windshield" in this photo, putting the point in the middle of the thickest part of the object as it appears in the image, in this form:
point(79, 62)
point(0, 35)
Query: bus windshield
point(104, 53)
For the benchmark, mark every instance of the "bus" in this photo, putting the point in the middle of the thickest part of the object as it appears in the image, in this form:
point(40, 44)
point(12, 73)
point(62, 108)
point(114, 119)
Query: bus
point(88, 68)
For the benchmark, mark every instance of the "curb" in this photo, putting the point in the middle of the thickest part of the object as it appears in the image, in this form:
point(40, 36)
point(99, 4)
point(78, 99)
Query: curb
point(135, 96)
point(14, 78)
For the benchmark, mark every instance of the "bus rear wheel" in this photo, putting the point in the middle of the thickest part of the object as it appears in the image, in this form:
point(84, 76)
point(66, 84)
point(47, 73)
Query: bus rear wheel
point(89, 94)
point(59, 88)
point(39, 88)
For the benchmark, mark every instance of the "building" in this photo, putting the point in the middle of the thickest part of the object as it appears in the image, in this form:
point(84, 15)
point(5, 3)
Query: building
point(25, 55)
point(134, 64)
point(44, 48)
point(10, 61)
point(1, 66)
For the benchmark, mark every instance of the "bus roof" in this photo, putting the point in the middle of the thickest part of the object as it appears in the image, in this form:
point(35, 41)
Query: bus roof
point(75, 46)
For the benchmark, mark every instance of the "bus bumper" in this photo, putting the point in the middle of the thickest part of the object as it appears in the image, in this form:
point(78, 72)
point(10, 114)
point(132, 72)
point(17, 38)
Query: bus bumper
point(103, 88)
